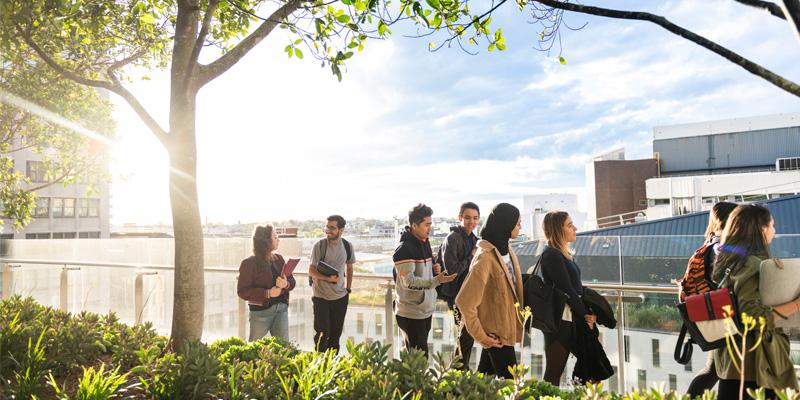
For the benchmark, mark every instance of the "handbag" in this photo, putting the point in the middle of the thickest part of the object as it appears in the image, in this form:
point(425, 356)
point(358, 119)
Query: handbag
point(779, 283)
point(545, 301)
point(705, 321)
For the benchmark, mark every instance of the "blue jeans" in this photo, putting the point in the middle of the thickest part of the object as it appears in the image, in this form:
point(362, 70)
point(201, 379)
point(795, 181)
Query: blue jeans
point(274, 320)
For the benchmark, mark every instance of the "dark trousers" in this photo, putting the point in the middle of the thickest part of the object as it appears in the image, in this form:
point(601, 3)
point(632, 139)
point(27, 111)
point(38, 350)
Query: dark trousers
point(556, 352)
point(729, 389)
point(329, 322)
point(416, 332)
point(705, 379)
point(496, 360)
point(465, 340)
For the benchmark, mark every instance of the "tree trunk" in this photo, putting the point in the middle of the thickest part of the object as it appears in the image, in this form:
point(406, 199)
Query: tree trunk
point(187, 313)
point(189, 300)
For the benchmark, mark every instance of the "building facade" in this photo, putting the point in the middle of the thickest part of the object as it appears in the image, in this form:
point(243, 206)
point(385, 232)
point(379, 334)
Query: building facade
point(740, 160)
point(77, 211)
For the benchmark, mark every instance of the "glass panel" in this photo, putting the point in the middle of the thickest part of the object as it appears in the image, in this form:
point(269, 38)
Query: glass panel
point(656, 260)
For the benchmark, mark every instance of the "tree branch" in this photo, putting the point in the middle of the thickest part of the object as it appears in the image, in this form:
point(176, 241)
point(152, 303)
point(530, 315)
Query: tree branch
point(201, 37)
point(211, 71)
point(769, 6)
point(115, 87)
point(731, 56)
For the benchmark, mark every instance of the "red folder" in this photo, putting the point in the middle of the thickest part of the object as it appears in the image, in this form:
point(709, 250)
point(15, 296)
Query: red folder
point(288, 268)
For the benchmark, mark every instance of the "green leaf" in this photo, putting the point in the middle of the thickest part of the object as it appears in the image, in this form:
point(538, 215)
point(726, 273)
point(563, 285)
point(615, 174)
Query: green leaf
point(491, 47)
point(298, 53)
point(298, 41)
point(344, 18)
point(382, 28)
point(501, 46)
point(562, 60)
point(434, 4)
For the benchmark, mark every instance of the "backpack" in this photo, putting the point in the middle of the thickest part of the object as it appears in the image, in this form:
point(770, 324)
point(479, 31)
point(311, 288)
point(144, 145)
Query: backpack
point(323, 249)
point(694, 279)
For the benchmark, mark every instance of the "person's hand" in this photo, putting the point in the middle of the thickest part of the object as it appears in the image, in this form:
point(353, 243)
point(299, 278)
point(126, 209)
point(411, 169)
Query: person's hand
point(333, 279)
point(281, 282)
point(275, 291)
point(590, 320)
point(437, 269)
point(444, 278)
point(491, 341)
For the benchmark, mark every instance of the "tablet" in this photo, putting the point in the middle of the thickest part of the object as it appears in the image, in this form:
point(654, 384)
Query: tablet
point(326, 269)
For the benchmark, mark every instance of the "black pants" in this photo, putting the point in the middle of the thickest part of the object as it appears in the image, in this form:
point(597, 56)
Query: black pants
point(705, 379)
point(556, 352)
point(496, 360)
point(729, 389)
point(416, 332)
point(329, 322)
point(465, 340)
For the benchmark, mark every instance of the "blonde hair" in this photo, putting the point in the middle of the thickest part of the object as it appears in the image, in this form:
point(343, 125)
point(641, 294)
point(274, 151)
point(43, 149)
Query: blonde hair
point(553, 226)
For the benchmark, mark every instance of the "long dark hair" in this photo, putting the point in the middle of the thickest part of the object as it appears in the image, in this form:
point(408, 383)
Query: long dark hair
point(262, 247)
point(743, 237)
point(718, 218)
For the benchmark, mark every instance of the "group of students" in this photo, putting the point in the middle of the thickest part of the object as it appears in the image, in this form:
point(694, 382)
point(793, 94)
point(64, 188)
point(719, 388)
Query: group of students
point(481, 281)
point(738, 238)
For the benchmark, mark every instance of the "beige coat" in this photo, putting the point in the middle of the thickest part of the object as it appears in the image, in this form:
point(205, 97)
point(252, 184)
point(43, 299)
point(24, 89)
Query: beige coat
point(487, 298)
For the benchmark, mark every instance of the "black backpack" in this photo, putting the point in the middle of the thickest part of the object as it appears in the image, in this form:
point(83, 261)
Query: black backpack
point(323, 249)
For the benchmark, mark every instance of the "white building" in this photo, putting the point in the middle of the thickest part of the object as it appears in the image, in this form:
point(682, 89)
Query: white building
point(79, 210)
point(535, 206)
point(742, 159)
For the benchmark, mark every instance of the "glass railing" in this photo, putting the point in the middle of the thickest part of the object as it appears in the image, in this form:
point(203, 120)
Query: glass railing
point(134, 279)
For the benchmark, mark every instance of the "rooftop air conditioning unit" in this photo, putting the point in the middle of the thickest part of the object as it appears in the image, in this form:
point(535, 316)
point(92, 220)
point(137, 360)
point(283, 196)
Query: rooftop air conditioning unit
point(787, 164)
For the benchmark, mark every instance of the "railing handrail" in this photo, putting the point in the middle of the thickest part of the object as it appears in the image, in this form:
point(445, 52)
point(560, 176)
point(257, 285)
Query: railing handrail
point(159, 267)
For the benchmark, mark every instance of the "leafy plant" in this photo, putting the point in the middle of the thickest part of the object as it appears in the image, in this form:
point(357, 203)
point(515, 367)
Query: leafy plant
point(29, 377)
point(94, 385)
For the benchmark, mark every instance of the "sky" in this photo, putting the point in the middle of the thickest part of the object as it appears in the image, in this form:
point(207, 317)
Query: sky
point(282, 139)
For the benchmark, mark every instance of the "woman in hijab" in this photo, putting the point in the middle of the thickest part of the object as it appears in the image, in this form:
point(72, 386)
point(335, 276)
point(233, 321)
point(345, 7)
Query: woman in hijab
point(490, 294)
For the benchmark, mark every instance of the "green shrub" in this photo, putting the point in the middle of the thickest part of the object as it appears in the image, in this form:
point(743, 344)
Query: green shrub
point(94, 385)
point(193, 375)
point(30, 370)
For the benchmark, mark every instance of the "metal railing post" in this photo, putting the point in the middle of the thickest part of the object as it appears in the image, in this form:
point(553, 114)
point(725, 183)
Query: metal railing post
point(389, 314)
point(621, 325)
point(8, 277)
point(138, 295)
point(64, 289)
point(242, 319)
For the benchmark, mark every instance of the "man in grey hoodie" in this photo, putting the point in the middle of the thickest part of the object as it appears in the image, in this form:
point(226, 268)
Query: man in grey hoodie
point(416, 279)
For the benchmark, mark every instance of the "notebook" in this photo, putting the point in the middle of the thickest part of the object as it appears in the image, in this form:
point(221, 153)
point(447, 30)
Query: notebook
point(288, 268)
point(326, 269)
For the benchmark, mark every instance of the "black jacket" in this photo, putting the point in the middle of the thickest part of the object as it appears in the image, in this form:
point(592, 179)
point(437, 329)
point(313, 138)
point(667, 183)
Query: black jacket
point(592, 364)
point(455, 255)
point(566, 279)
point(598, 305)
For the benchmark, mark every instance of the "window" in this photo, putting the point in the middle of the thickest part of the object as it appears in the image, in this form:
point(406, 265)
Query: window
point(63, 207)
point(379, 324)
point(657, 202)
point(788, 164)
point(89, 235)
point(537, 365)
point(64, 235)
point(643, 203)
point(360, 323)
point(36, 171)
point(45, 235)
point(673, 382)
point(42, 207)
point(447, 350)
point(613, 383)
point(627, 347)
point(89, 208)
point(438, 328)
point(642, 375)
point(656, 352)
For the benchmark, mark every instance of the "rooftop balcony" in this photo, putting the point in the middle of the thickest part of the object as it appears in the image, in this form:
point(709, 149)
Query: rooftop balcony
point(134, 279)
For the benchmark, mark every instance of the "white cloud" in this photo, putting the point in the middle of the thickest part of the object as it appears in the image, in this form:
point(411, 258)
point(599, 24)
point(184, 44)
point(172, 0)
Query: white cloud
point(482, 109)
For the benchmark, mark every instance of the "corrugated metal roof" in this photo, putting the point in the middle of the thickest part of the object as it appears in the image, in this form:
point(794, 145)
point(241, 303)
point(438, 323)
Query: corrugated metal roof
point(785, 210)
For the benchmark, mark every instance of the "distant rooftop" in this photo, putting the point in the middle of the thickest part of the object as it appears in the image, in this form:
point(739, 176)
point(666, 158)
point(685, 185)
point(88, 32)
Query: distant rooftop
point(744, 124)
